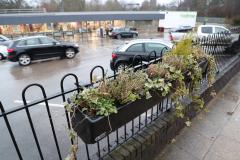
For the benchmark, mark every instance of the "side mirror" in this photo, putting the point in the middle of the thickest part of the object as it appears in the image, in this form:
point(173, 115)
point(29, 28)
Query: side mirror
point(54, 43)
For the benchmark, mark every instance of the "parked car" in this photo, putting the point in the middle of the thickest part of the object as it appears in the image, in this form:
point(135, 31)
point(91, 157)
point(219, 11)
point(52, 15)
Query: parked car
point(27, 49)
point(177, 34)
point(3, 38)
point(207, 30)
point(123, 56)
point(122, 32)
point(3, 52)
point(203, 31)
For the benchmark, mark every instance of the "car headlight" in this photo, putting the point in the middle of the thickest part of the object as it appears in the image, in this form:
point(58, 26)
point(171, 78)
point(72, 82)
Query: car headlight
point(76, 45)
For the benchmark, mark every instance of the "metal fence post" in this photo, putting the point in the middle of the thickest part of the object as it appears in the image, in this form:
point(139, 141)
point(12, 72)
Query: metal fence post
point(10, 131)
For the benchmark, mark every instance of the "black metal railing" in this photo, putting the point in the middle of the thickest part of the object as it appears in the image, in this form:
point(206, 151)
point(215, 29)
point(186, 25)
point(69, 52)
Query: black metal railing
point(235, 29)
point(218, 45)
point(215, 45)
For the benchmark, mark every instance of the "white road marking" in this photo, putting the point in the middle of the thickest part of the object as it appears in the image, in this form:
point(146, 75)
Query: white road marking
point(42, 104)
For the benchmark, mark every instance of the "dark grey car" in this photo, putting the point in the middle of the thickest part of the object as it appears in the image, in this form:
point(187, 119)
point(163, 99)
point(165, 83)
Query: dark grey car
point(123, 33)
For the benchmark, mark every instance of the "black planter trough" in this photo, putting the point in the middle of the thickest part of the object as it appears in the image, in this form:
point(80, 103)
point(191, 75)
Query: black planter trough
point(92, 129)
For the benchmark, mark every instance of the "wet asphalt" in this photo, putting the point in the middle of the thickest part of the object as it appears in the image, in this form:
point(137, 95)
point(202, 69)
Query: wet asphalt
point(14, 78)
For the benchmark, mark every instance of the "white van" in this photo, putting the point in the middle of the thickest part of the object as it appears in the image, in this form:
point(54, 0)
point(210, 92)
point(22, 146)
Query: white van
point(203, 31)
point(207, 30)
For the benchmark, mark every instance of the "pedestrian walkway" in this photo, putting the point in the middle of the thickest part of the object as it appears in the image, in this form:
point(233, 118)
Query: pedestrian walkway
point(214, 134)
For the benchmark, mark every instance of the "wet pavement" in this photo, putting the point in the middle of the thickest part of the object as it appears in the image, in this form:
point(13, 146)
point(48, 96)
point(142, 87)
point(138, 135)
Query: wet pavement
point(93, 51)
point(49, 73)
point(213, 135)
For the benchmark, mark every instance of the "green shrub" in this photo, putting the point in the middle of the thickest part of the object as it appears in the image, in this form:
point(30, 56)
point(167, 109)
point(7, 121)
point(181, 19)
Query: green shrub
point(127, 87)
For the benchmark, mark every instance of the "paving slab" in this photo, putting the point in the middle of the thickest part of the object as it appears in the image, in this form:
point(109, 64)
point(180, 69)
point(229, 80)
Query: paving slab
point(213, 134)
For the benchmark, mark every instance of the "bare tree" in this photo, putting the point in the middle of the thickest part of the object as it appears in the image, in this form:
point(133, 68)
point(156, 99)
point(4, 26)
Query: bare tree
point(13, 4)
point(74, 5)
point(93, 5)
point(113, 5)
point(50, 5)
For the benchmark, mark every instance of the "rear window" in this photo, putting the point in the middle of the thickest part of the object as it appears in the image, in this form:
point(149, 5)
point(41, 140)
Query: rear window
point(136, 48)
point(207, 30)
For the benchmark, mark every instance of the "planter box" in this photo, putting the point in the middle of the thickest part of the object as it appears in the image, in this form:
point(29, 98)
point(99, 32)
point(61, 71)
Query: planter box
point(92, 129)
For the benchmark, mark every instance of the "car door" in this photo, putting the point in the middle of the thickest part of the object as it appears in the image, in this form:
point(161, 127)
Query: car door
point(135, 49)
point(31, 47)
point(50, 47)
point(122, 32)
point(127, 32)
point(159, 48)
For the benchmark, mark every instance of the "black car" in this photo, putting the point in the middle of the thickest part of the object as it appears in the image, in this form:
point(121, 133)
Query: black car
point(123, 56)
point(27, 49)
point(123, 32)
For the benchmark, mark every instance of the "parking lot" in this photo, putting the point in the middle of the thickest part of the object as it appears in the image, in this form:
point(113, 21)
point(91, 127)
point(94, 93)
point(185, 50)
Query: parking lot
point(14, 78)
point(93, 51)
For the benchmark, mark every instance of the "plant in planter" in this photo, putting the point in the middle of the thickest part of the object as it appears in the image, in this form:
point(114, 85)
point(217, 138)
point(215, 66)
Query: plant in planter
point(92, 102)
point(91, 109)
point(199, 54)
point(192, 63)
point(163, 77)
point(167, 79)
point(127, 87)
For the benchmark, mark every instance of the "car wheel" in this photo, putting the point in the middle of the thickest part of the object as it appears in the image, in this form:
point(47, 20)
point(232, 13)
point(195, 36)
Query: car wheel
point(1, 57)
point(24, 59)
point(134, 36)
point(121, 67)
point(119, 36)
point(70, 53)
